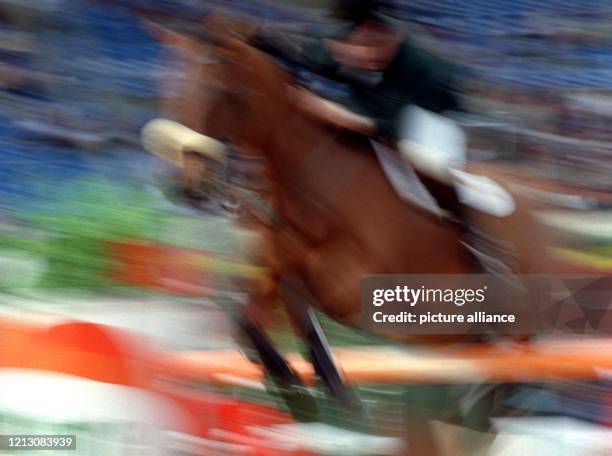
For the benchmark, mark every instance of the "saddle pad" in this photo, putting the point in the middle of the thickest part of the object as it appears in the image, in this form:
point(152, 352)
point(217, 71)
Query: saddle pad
point(404, 180)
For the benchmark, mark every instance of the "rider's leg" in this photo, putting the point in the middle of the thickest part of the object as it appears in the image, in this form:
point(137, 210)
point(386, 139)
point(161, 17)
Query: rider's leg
point(444, 193)
point(433, 145)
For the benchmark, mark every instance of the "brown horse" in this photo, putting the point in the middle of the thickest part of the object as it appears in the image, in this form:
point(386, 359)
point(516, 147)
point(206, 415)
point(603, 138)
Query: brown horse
point(336, 216)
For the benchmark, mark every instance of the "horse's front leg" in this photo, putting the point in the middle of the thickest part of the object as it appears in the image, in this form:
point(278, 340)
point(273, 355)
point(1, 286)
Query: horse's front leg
point(251, 320)
point(308, 327)
point(288, 383)
point(271, 359)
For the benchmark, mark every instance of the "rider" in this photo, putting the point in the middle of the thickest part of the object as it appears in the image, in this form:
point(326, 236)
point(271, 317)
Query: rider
point(387, 74)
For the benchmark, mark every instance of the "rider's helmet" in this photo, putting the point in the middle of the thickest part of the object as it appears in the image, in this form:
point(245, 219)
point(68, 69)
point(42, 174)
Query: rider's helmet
point(355, 12)
point(367, 40)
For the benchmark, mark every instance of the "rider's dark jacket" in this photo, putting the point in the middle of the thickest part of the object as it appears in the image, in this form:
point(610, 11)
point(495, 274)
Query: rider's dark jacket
point(413, 76)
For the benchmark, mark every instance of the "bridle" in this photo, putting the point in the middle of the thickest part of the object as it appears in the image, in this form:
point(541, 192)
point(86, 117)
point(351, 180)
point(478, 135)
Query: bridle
point(244, 177)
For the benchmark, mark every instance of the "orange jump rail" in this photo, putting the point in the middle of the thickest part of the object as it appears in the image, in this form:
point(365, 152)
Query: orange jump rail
point(569, 359)
point(109, 354)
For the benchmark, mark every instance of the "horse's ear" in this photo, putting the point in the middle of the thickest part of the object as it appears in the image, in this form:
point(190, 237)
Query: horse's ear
point(161, 34)
point(167, 36)
point(236, 26)
point(189, 38)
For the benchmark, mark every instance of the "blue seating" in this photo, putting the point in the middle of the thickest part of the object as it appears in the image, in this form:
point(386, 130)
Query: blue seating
point(103, 53)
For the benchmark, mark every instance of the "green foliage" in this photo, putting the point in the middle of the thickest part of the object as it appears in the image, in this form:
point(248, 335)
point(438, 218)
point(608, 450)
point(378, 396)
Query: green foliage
point(73, 233)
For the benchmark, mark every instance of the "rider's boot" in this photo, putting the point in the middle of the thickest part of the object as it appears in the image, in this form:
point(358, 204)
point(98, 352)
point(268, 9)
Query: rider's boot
point(446, 196)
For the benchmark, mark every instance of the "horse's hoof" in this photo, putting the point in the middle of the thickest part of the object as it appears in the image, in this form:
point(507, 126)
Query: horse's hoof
point(301, 403)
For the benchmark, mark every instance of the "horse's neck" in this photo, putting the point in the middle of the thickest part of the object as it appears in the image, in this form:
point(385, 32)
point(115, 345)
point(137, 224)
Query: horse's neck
point(307, 164)
point(314, 157)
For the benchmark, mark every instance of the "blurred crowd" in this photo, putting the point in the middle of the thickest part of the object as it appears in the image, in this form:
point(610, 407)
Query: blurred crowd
point(86, 72)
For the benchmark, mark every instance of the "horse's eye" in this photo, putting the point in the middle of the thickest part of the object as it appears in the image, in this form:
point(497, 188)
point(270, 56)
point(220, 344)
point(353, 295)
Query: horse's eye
point(213, 58)
point(209, 59)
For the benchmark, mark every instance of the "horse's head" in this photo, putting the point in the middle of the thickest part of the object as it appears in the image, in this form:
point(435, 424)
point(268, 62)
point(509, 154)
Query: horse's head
point(225, 97)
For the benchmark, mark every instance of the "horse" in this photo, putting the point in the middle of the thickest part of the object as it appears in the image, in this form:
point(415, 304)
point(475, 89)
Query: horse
point(333, 216)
